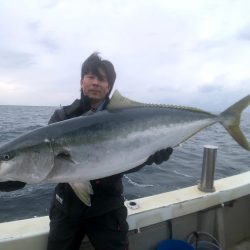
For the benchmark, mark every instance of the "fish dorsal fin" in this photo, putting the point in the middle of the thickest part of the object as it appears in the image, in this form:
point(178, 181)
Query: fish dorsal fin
point(118, 101)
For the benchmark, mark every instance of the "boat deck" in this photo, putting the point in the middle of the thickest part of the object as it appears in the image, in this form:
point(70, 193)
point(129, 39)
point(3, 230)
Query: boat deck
point(224, 214)
point(245, 245)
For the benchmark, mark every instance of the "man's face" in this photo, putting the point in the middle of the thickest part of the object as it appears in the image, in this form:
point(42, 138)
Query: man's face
point(96, 88)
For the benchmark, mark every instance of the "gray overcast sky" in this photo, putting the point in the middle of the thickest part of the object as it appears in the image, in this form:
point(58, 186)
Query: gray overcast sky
point(194, 52)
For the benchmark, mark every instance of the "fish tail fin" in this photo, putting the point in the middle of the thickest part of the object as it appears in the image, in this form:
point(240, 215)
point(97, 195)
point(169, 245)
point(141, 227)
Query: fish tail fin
point(230, 119)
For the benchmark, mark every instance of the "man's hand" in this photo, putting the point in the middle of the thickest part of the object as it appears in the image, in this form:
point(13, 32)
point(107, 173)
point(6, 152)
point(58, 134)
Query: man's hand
point(8, 186)
point(159, 156)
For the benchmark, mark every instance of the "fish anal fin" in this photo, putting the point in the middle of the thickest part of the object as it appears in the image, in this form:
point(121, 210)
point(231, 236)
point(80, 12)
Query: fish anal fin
point(83, 190)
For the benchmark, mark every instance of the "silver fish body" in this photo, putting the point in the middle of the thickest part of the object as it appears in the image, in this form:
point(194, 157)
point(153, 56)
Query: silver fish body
point(109, 142)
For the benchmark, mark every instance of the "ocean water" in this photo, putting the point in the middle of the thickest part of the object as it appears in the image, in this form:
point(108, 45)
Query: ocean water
point(181, 170)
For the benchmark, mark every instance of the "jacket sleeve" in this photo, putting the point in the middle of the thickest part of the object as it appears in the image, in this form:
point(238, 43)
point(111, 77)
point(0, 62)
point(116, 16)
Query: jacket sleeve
point(73, 110)
point(59, 115)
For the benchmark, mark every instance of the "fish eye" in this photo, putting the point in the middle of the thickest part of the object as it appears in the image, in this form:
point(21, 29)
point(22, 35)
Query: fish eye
point(6, 156)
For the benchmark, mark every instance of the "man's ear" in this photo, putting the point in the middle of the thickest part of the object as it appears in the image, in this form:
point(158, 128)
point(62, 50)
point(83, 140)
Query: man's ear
point(109, 88)
point(81, 83)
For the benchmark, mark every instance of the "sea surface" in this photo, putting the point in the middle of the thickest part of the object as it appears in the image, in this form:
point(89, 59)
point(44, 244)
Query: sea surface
point(182, 170)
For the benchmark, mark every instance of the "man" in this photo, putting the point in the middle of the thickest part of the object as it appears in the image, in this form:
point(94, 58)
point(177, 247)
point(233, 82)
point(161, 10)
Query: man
point(102, 217)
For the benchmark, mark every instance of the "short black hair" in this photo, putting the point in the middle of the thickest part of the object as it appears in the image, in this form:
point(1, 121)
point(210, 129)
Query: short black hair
point(94, 63)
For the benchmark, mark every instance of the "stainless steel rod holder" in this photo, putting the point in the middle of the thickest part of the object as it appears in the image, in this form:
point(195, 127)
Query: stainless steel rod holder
point(208, 168)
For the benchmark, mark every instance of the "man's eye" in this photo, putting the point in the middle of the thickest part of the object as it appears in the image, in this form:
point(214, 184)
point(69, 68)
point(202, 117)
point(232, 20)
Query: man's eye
point(6, 156)
point(90, 76)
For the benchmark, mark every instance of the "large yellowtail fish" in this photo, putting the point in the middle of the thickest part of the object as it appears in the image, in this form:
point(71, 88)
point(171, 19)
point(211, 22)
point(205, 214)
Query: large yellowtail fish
point(109, 142)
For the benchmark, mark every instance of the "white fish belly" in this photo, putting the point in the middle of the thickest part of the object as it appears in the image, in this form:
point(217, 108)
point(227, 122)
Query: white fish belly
point(117, 155)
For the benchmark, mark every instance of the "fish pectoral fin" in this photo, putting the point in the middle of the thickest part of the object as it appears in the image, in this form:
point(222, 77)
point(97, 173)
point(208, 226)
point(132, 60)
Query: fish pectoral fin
point(65, 156)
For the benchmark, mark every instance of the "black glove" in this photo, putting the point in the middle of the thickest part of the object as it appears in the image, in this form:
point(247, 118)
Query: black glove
point(8, 186)
point(159, 156)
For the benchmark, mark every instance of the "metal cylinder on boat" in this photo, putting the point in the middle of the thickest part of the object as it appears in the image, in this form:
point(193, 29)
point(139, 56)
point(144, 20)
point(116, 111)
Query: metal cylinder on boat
point(208, 168)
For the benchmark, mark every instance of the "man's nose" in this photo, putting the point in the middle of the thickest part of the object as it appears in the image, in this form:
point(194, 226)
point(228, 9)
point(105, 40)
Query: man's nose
point(96, 81)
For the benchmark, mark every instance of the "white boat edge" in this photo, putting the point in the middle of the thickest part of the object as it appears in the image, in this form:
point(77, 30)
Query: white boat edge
point(150, 212)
